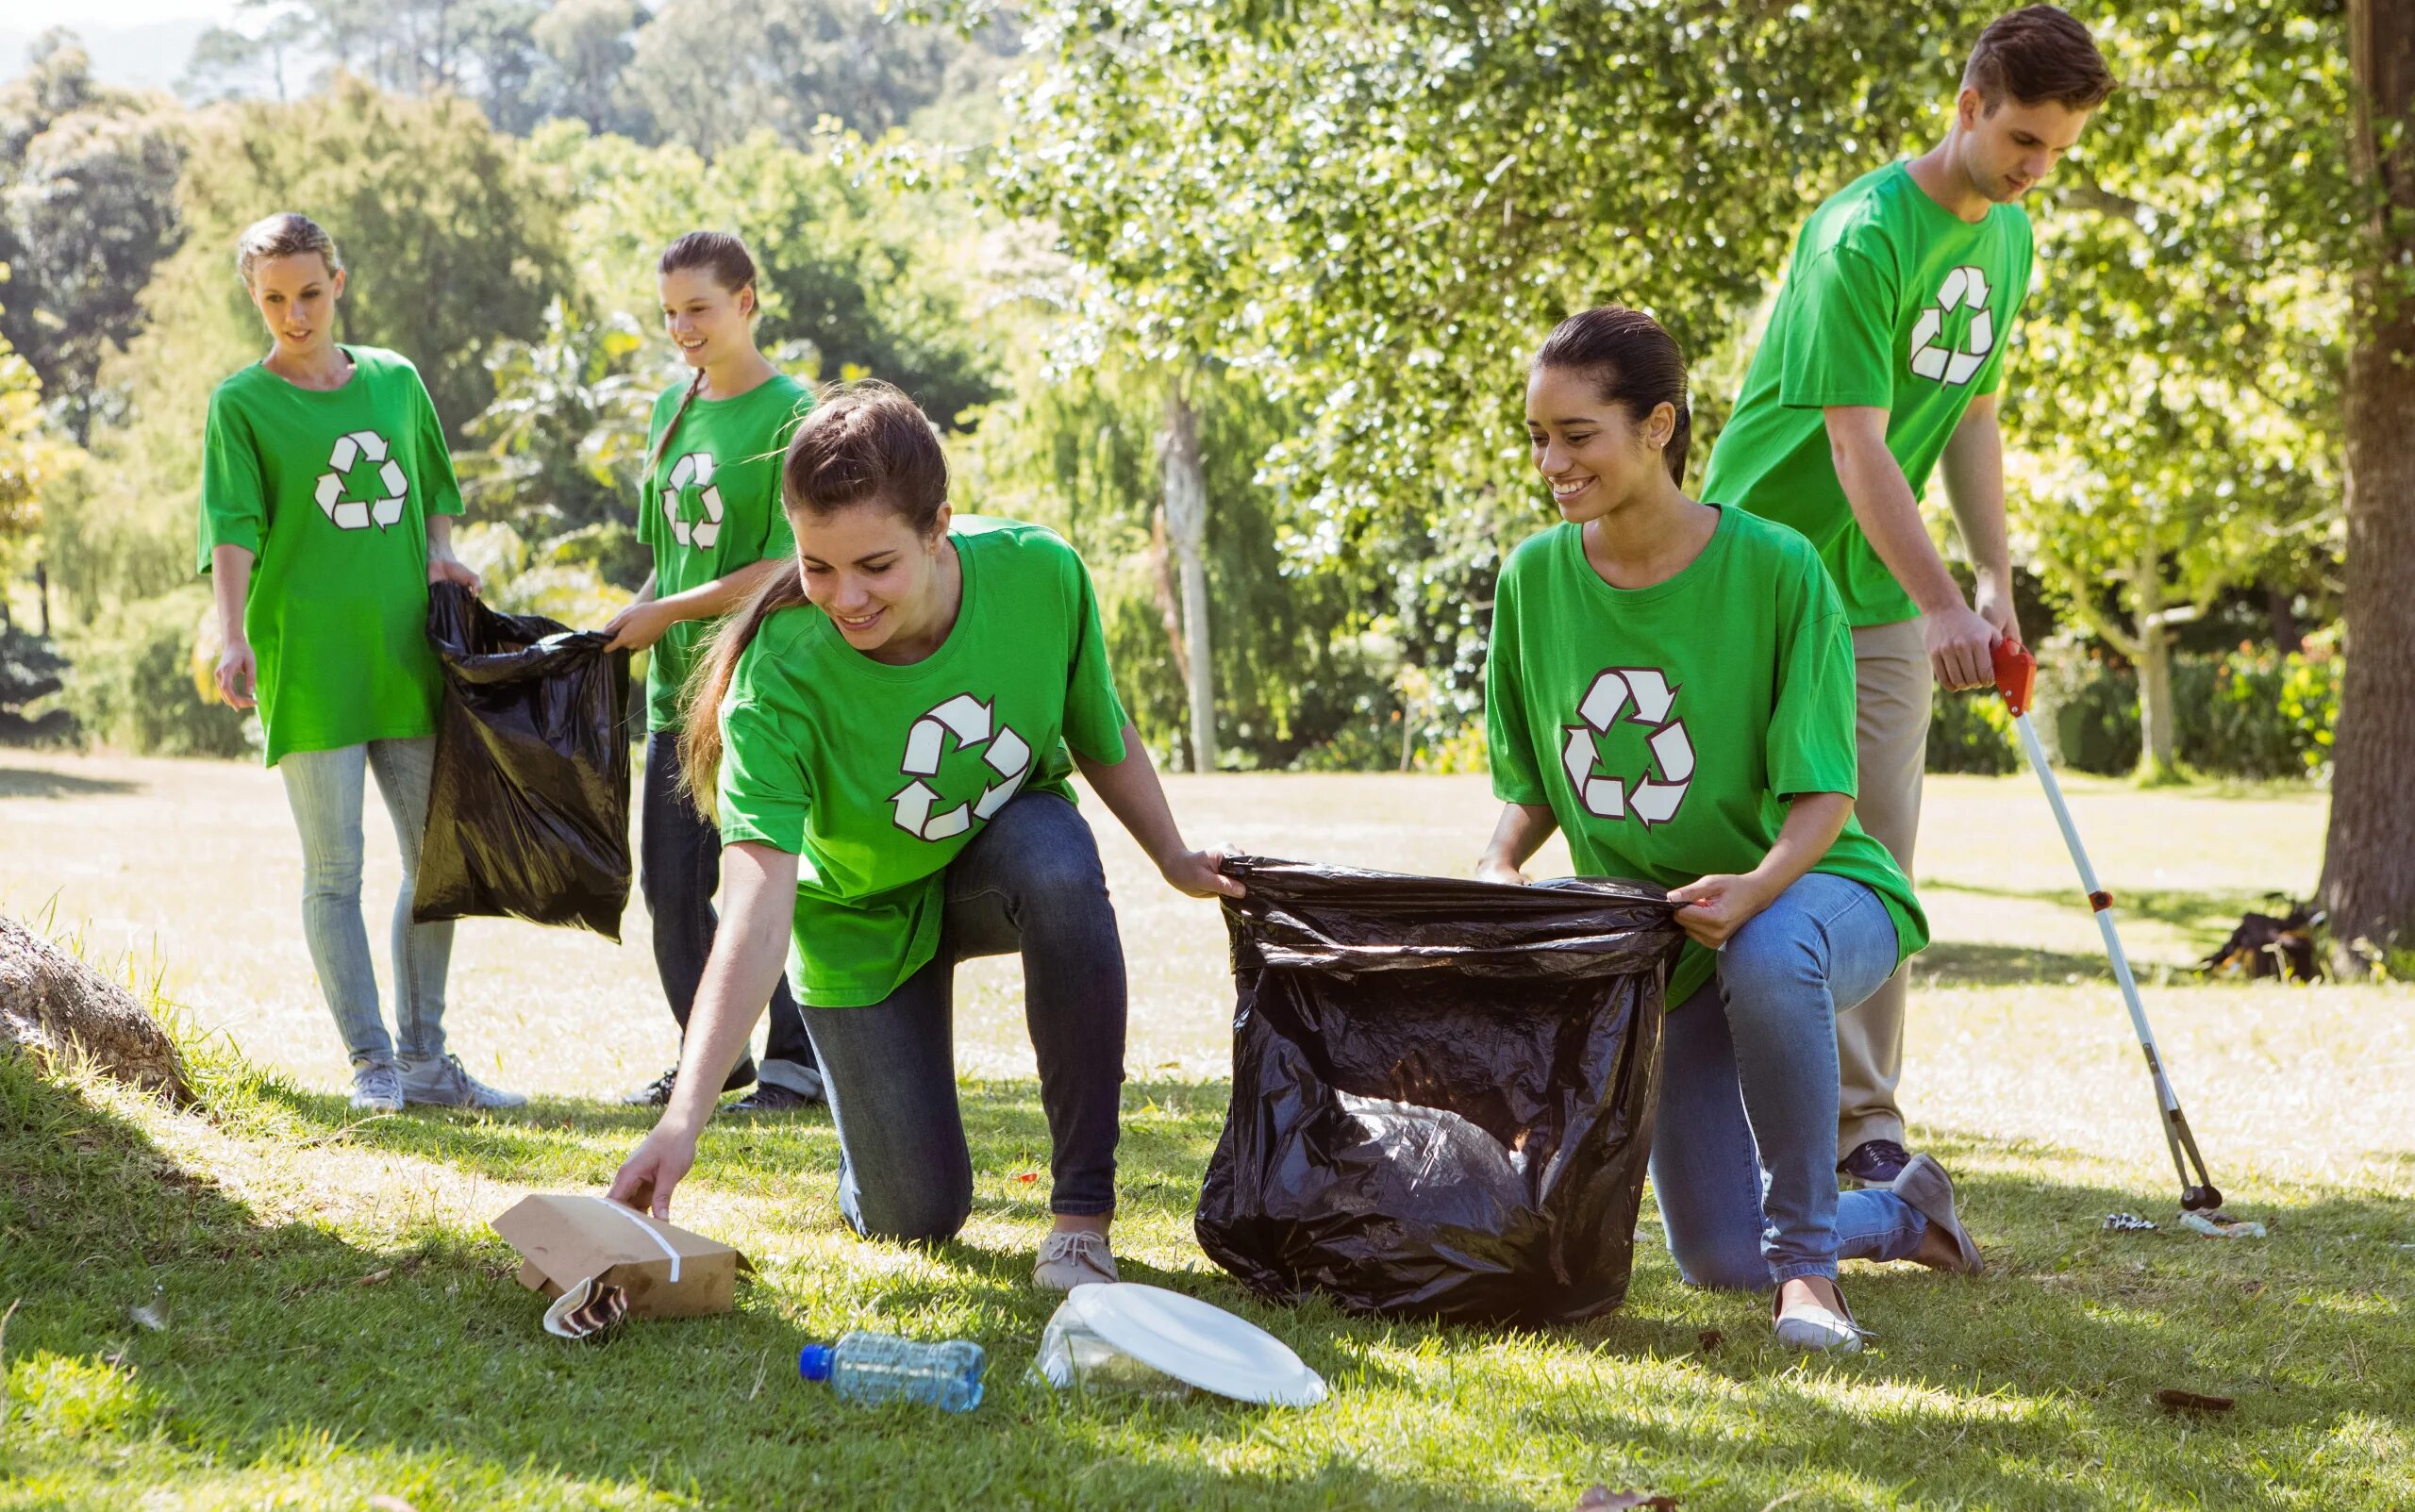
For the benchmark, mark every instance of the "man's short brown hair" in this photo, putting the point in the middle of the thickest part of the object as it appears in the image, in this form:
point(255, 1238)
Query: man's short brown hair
point(2034, 54)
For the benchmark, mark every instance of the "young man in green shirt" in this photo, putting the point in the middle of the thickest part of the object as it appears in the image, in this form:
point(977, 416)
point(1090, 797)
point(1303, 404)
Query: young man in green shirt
point(1882, 359)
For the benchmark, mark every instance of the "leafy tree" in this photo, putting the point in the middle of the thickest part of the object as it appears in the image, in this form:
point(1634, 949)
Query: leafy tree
point(873, 277)
point(1077, 450)
point(2175, 388)
point(228, 59)
point(86, 210)
point(483, 50)
point(711, 72)
point(588, 46)
point(1439, 185)
point(450, 239)
point(565, 435)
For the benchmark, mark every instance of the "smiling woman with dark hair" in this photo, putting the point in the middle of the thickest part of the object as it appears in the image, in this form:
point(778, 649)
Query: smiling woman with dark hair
point(1671, 684)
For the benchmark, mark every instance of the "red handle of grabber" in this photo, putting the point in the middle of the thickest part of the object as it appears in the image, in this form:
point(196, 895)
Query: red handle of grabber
point(2016, 674)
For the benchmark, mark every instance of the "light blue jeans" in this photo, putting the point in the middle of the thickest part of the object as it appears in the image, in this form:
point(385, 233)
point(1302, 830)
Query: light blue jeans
point(326, 790)
point(1744, 1149)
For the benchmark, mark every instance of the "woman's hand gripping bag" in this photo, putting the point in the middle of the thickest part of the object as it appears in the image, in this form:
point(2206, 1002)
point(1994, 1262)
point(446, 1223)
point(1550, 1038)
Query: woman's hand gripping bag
point(528, 816)
point(1442, 1091)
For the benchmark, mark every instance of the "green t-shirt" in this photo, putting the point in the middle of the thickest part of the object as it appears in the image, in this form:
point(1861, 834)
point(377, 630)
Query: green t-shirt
point(1666, 725)
point(331, 492)
point(711, 507)
point(877, 775)
point(1891, 300)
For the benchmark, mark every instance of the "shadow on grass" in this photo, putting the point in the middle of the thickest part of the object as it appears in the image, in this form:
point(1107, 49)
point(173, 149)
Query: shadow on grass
point(2206, 915)
point(2030, 1388)
point(273, 1339)
point(33, 782)
point(1962, 963)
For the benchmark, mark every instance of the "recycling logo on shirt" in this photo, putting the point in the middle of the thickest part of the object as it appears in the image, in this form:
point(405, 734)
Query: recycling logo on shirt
point(973, 723)
point(1643, 696)
point(358, 514)
point(694, 468)
point(1933, 355)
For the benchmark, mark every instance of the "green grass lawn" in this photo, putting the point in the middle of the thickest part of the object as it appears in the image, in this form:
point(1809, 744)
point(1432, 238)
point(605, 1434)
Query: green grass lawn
point(339, 1324)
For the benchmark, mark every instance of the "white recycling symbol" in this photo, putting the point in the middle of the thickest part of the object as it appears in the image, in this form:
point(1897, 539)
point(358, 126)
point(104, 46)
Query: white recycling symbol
point(359, 514)
point(1655, 796)
point(696, 468)
point(973, 723)
point(1964, 287)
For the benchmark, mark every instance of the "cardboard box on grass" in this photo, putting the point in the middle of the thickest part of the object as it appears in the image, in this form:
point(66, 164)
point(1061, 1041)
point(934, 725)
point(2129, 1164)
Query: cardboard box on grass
point(666, 1271)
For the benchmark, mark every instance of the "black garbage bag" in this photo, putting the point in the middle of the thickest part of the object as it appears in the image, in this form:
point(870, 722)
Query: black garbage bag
point(1442, 1091)
point(529, 815)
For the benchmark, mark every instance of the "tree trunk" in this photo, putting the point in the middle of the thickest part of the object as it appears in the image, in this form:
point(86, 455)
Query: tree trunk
point(1186, 498)
point(2157, 762)
point(2369, 858)
point(55, 1006)
point(2280, 609)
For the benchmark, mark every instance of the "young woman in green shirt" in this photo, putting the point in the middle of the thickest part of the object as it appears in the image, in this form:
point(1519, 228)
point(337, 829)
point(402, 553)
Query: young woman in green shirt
point(326, 506)
point(887, 735)
point(1671, 684)
point(708, 507)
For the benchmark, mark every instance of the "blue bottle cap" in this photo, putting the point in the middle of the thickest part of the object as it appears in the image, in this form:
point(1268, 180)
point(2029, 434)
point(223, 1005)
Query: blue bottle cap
point(813, 1362)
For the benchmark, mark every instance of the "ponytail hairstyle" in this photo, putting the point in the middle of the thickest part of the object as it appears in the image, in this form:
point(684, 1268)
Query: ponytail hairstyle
point(862, 444)
point(284, 235)
point(1633, 362)
point(725, 257)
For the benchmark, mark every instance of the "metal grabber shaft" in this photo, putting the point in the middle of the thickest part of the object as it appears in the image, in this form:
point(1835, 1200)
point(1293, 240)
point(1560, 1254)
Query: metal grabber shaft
point(2016, 675)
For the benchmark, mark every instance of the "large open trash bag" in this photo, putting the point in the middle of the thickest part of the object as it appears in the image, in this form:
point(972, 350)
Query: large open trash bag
point(529, 814)
point(1442, 1091)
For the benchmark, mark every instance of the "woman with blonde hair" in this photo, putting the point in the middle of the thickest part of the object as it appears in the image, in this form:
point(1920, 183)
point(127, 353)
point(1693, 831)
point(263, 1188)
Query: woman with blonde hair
point(326, 506)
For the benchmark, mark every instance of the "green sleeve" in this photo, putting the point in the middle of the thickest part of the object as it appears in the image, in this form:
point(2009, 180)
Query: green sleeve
point(1510, 743)
point(1810, 741)
point(650, 522)
point(234, 494)
point(1839, 323)
point(1095, 716)
point(761, 794)
point(779, 538)
point(439, 491)
point(1991, 375)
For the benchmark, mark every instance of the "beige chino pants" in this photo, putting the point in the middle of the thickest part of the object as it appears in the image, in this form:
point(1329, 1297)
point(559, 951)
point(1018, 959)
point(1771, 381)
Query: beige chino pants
point(1891, 685)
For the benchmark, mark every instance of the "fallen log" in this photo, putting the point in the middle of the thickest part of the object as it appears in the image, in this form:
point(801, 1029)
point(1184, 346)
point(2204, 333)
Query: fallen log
point(52, 1007)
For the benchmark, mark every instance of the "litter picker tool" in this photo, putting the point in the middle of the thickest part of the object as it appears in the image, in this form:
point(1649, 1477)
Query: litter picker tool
point(2016, 675)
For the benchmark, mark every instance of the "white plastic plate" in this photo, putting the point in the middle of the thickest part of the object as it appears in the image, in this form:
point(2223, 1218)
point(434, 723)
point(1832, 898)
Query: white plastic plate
point(1196, 1343)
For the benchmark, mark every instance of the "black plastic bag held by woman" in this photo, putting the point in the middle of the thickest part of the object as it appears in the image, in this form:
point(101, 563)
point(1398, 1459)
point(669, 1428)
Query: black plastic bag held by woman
point(1442, 1091)
point(529, 814)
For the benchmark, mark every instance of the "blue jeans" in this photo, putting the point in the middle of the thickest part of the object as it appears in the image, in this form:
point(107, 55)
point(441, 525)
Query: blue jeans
point(1744, 1150)
point(679, 871)
point(1031, 882)
point(326, 790)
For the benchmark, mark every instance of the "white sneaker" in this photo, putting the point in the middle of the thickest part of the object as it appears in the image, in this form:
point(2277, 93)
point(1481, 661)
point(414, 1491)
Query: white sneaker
point(1072, 1257)
point(441, 1080)
point(376, 1087)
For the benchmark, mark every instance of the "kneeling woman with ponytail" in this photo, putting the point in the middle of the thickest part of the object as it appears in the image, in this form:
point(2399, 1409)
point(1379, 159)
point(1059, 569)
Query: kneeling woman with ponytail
point(899, 713)
point(1671, 683)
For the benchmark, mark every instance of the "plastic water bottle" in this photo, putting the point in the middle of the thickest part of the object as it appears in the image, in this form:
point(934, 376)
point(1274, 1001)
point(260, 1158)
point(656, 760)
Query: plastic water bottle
point(874, 1368)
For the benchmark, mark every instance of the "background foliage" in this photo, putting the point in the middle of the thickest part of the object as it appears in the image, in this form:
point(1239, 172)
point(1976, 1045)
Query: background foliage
point(1036, 220)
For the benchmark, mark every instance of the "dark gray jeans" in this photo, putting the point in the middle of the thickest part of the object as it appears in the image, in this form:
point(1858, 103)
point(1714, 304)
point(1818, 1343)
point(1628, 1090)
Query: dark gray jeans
point(1029, 883)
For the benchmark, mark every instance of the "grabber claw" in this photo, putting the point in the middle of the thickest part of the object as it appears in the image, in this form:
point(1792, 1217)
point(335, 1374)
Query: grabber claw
point(2016, 673)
